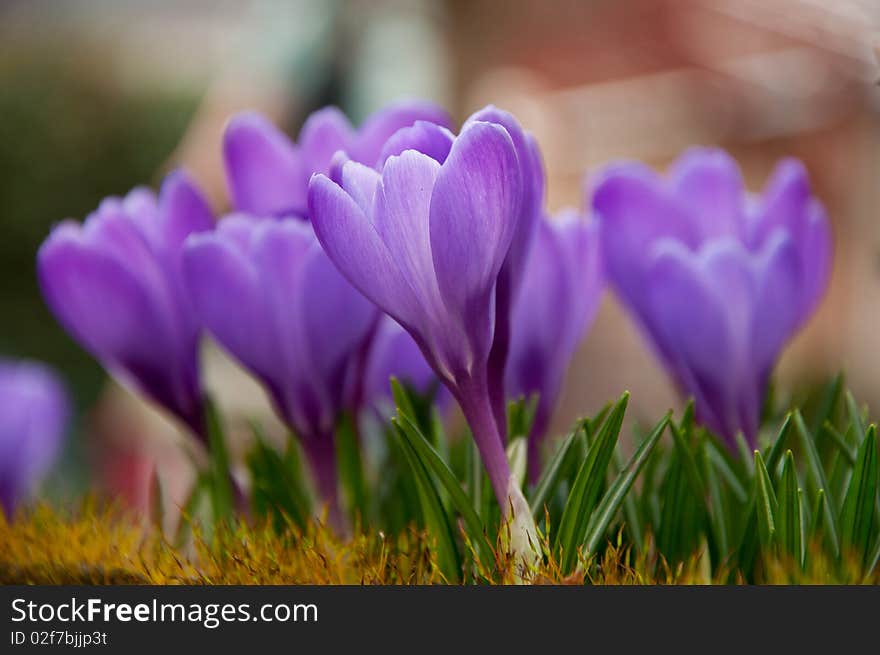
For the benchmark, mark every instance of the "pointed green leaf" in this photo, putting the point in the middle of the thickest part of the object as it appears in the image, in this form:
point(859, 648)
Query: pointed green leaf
point(857, 516)
point(432, 462)
point(621, 486)
point(788, 524)
point(587, 486)
point(855, 417)
point(221, 482)
point(552, 475)
point(767, 506)
point(841, 442)
point(437, 521)
point(828, 402)
point(779, 444)
point(351, 469)
point(720, 458)
point(814, 467)
point(819, 514)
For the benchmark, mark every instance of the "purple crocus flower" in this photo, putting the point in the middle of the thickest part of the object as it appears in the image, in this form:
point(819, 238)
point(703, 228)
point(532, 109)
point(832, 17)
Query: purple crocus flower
point(34, 410)
point(268, 174)
point(267, 292)
point(562, 285)
point(717, 280)
point(395, 354)
point(427, 239)
point(114, 283)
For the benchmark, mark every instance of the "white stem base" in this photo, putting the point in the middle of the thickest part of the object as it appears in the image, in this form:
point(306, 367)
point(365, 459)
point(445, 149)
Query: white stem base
point(525, 542)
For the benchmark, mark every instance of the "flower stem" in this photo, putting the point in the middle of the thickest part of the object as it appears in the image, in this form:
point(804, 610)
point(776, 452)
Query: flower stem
point(476, 405)
point(321, 454)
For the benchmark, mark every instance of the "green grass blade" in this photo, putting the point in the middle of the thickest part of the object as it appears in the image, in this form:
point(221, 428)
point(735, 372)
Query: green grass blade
point(718, 509)
point(855, 417)
point(819, 515)
point(828, 404)
point(720, 458)
point(437, 520)
point(431, 460)
point(351, 469)
point(841, 442)
point(221, 482)
point(779, 444)
point(552, 475)
point(588, 486)
point(857, 517)
point(621, 486)
point(814, 467)
point(788, 523)
point(767, 506)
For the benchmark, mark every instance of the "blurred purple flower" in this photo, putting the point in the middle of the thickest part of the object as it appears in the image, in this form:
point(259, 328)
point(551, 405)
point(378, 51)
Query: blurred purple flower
point(114, 283)
point(267, 292)
point(558, 300)
point(717, 280)
point(394, 353)
point(426, 239)
point(34, 410)
point(268, 174)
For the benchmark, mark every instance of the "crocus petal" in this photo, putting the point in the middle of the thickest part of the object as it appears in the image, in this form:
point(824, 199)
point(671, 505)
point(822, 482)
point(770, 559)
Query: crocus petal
point(360, 182)
point(532, 172)
point(428, 138)
point(265, 171)
point(634, 211)
point(183, 211)
point(380, 126)
point(110, 313)
point(216, 271)
point(279, 253)
point(402, 220)
point(337, 323)
point(783, 203)
point(35, 413)
point(815, 255)
point(779, 282)
point(325, 132)
point(355, 247)
point(474, 216)
point(709, 183)
point(583, 256)
point(541, 318)
point(690, 321)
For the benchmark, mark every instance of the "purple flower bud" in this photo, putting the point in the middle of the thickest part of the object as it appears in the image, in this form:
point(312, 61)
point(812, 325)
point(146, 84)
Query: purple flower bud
point(114, 283)
point(267, 292)
point(562, 285)
point(427, 239)
point(717, 280)
point(268, 174)
point(34, 410)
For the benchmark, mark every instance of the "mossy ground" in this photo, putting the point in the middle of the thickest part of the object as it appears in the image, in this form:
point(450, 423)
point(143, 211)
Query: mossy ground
point(95, 544)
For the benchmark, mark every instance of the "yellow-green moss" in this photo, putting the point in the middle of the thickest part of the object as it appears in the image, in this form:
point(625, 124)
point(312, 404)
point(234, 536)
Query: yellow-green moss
point(99, 545)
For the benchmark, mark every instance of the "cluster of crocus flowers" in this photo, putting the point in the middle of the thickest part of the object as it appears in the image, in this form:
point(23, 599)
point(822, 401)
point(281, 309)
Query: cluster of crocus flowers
point(717, 280)
point(403, 249)
point(561, 289)
point(34, 409)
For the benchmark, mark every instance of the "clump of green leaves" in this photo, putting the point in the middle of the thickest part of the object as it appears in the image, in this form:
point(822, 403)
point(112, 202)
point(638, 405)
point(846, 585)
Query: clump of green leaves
point(806, 503)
